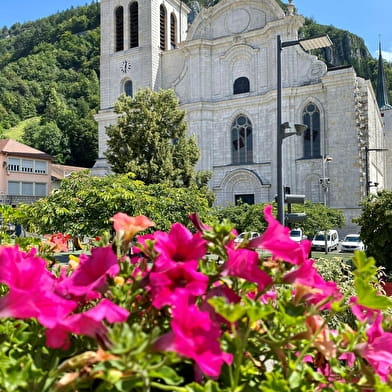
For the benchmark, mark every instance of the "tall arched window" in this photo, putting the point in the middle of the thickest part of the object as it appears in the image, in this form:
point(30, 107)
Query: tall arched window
point(119, 25)
point(311, 117)
point(128, 88)
point(173, 31)
point(133, 25)
point(162, 27)
point(241, 140)
point(241, 85)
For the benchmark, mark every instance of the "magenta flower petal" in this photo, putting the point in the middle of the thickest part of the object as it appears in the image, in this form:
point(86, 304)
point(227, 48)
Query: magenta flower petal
point(179, 245)
point(244, 263)
point(276, 239)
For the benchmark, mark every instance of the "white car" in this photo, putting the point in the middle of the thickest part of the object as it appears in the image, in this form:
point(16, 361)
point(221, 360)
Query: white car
point(297, 235)
point(249, 235)
point(352, 242)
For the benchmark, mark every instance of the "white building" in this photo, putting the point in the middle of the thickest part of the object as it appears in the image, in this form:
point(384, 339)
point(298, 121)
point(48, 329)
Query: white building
point(223, 67)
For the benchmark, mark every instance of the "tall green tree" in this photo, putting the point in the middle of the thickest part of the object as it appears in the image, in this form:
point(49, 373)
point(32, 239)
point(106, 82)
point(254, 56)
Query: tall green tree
point(150, 139)
point(376, 227)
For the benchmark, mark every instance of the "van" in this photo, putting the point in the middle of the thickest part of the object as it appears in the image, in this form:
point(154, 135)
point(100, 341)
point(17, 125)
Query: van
point(318, 242)
point(297, 235)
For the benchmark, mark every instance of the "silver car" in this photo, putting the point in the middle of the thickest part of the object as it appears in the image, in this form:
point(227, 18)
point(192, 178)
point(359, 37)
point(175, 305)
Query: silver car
point(352, 242)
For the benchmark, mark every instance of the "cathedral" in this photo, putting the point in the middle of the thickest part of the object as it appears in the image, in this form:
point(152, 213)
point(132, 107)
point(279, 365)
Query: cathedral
point(223, 68)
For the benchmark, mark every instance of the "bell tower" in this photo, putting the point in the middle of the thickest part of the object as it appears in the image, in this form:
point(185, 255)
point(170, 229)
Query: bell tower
point(135, 34)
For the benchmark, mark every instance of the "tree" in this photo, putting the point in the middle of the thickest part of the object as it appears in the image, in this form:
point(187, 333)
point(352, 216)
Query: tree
point(376, 226)
point(84, 204)
point(150, 139)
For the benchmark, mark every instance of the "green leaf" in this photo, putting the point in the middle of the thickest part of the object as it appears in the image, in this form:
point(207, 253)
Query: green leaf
point(230, 311)
point(168, 375)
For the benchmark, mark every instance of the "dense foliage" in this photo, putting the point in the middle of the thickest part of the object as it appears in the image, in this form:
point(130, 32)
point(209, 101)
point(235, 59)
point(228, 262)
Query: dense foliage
point(49, 68)
point(150, 140)
point(84, 204)
point(376, 228)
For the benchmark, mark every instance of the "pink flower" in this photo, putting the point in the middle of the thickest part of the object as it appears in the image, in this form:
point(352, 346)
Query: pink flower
point(166, 285)
point(378, 350)
point(307, 275)
point(276, 239)
point(199, 225)
point(31, 288)
point(244, 263)
point(195, 335)
point(363, 313)
point(91, 275)
point(89, 323)
point(179, 245)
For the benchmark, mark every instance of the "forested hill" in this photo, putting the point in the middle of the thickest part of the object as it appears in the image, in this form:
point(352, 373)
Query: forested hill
point(49, 78)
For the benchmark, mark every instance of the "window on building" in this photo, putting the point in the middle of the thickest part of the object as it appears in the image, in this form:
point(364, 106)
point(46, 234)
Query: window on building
point(162, 27)
point(128, 88)
point(40, 189)
point(246, 198)
point(241, 140)
point(13, 188)
point(311, 117)
point(173, 31)
point(41, 167)
point(27, 165)
point(133, 25)
point(241, 85)
point(13, 164)
point(27, 189)
point(119, 25)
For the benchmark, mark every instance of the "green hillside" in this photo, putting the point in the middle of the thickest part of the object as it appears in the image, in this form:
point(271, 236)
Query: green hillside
point(49, 69)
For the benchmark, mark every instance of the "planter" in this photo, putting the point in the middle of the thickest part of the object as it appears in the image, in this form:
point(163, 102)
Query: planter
point(387, 286)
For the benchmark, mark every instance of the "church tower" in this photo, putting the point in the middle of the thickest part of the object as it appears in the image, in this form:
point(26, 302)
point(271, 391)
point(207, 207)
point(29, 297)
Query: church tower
point(134, 34)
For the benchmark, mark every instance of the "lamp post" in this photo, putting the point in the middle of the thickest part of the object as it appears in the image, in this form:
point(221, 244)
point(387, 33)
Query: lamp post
point(325, 180)
point(367, 149)
point(306, 44)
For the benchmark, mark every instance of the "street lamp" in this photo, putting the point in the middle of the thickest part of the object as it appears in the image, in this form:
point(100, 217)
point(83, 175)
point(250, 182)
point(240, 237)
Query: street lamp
point(306, 44)
point(325, 180)
point(368, 182)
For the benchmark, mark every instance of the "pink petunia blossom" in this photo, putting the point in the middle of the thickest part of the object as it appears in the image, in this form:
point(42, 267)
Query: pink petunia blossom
point(128, 226)
point(91, 275)
point(179, 245)
point(307, 275)
point(276, 239)
point(31, 288)
point(363, 313)
point(244, 263)
point(378, 350)
point(195, 335)
point(182, 276)
point(89, 323)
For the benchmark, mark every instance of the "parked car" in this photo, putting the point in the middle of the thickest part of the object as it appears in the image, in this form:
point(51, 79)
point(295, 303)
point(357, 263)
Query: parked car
point(352, 242)
point(297, 235)
point(246, 235)
point(318, 242)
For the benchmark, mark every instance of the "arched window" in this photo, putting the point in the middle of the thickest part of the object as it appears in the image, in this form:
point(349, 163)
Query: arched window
point(128, 88)
point(133, 25)
point(241, 85)
point(162, 27)
point(119, 25)
point(241, 140)
point(311, 117)
point(173, 31)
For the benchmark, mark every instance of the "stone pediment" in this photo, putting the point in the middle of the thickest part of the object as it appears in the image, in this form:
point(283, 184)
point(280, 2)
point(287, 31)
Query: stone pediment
point(230, 17)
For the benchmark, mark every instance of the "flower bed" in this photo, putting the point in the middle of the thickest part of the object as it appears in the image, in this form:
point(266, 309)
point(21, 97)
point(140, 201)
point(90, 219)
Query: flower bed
point(182, 311)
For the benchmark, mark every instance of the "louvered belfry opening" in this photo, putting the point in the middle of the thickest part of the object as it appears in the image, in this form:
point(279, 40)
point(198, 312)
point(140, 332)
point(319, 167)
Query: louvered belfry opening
point(162, 29)
point(119, 29)
point(134, 25)
point(173, 31)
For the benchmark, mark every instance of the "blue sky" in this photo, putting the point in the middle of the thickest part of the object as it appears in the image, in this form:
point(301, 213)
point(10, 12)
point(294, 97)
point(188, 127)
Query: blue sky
point(371, 20)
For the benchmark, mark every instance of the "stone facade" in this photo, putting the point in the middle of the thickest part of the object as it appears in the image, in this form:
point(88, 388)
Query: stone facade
point(223, 69)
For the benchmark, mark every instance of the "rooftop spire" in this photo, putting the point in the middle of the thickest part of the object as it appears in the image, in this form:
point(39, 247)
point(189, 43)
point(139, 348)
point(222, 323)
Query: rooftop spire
point(382, 92)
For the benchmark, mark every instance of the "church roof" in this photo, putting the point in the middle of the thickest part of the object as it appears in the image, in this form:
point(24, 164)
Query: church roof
point(382, 92)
